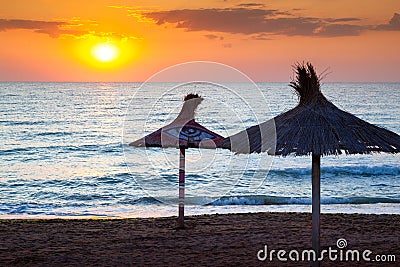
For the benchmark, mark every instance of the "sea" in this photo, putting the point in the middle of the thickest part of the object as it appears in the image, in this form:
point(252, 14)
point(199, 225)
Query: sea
point(65, 152)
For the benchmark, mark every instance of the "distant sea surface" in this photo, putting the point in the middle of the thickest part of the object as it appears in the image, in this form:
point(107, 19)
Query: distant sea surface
point(64, 152)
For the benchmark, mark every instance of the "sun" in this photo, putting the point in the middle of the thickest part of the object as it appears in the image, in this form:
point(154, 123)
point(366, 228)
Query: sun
point(109, 55)
point(105, 52)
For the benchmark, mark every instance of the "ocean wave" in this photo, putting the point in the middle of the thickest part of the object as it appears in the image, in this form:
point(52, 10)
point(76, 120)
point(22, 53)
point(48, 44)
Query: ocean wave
point(350, 170)
point(15, 123)
point(103, 148)
point(278, 200)
point(139, 201)
point(27, 208)
point(87, 208)
point(46, 210)
point(54, 134)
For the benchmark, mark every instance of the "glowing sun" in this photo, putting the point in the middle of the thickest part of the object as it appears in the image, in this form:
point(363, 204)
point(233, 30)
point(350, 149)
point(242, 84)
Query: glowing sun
point(105, 52)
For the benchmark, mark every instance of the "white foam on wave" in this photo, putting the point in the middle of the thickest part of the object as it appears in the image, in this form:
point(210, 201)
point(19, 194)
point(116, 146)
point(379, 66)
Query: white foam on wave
point(354, 170)
point(276, 200)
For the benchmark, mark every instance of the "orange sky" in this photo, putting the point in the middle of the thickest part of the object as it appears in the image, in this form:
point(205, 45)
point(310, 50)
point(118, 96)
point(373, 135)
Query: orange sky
point(46, 40)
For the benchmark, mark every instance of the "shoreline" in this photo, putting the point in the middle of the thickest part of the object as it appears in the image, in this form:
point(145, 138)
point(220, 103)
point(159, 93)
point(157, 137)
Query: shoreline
point(159, 211)
point(208, 240)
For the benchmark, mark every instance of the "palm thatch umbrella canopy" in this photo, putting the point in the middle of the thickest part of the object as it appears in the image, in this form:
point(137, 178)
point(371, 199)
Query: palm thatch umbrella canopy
point(184, 132)
point(314, 127)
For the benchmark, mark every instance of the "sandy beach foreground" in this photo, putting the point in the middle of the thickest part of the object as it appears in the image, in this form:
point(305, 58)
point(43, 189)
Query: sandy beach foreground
point(208, 240)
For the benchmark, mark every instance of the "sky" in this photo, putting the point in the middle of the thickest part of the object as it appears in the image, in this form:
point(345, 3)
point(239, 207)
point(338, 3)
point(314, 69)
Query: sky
point(129, 41)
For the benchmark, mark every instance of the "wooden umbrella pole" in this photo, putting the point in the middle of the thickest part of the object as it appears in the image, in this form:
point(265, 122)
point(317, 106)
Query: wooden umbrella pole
point(316, 204)
point(181, 223)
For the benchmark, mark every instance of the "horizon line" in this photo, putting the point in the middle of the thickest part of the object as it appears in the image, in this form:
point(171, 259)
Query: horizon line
point(183, 81)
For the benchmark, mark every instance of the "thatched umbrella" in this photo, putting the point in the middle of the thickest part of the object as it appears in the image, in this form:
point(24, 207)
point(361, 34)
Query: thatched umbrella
point(314, 127)
point(184, 132)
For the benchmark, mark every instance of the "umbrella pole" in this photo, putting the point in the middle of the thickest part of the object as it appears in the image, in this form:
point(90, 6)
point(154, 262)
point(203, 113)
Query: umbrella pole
point(316, 204)
point(181, 211)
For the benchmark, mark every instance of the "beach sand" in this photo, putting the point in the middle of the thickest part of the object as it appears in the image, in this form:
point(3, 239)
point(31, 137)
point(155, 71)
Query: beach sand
point(208, 240)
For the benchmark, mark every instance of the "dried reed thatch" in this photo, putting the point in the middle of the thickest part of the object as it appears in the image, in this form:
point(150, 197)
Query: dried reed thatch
point(315, 126)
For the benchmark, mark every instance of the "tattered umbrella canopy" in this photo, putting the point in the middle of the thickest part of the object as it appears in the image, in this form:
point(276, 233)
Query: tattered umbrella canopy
point(184, 132)
point(317, 127)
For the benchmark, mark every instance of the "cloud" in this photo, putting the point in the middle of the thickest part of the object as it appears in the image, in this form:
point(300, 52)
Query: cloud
point(251, 5)
point(214, 37)
point(259, 23)
point(261, 36)
point(393, 25)
point(75, 27)
point(236, 20)
point(52, 28)
point(336, 30)
point(223, 20)
point(49, 27)
point(343, 20)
